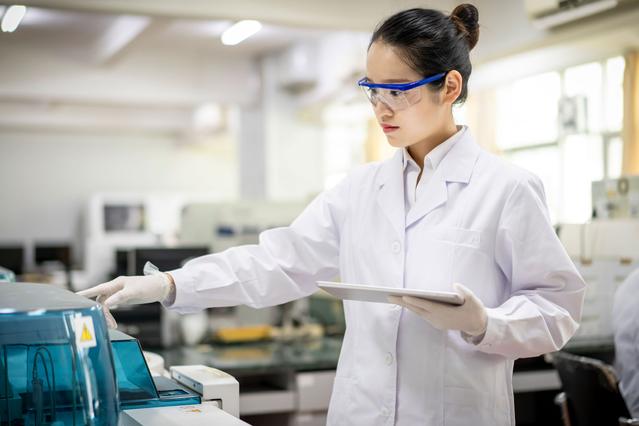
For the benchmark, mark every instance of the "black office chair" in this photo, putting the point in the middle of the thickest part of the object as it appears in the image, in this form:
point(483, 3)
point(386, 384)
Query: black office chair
point(590, 394)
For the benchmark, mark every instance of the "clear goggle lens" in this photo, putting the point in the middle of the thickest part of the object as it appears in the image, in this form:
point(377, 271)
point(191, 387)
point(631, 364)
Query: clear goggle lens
point(397, 96)
point(396, 100)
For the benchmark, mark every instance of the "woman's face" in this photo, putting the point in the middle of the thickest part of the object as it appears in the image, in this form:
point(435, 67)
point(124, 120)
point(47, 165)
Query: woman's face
point(417, 122)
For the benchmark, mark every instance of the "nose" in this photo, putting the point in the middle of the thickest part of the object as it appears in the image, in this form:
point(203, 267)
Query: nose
point(382, 110)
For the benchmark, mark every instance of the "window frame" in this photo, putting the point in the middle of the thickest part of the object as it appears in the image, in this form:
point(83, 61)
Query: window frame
point(605, 134)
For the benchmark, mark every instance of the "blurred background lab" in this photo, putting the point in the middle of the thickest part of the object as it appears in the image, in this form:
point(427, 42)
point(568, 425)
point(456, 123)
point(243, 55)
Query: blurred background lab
point(161, 131)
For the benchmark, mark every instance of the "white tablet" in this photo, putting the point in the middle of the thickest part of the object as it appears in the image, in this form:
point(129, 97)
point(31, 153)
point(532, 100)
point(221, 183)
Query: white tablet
point(368, 293)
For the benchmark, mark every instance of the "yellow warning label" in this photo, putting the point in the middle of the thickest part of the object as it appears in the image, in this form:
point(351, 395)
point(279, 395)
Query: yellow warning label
point(86, 334)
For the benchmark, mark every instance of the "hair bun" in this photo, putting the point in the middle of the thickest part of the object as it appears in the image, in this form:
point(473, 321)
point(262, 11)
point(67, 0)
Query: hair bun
point(466, 19)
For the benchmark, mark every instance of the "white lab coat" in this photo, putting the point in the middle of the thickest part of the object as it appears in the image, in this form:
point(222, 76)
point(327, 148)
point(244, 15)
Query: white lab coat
point(625, 320)
point(481, 222)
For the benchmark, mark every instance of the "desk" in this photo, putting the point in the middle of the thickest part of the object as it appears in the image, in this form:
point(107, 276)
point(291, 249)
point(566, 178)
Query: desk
point(295, 378)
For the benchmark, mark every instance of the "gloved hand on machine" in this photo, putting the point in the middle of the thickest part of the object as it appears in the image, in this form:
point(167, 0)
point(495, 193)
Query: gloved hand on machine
point(154, 286)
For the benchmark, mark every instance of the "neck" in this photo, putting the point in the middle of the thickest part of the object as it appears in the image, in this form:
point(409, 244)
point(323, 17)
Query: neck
point(418, 151)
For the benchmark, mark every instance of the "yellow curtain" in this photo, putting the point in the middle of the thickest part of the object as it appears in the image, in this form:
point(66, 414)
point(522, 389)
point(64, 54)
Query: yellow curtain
point(482, 118)
point(631, 114)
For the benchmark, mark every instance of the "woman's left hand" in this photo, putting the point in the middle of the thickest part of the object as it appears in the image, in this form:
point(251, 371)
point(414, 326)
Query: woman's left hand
point(470, 318)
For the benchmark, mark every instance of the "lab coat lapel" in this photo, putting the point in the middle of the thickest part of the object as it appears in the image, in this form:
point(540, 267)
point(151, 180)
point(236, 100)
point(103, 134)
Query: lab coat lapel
point(390, 197)
point(435, 195)
point(456, 166)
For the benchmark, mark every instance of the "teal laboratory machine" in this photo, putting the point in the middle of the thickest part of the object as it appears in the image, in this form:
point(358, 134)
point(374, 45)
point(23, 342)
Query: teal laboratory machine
point(60, 365)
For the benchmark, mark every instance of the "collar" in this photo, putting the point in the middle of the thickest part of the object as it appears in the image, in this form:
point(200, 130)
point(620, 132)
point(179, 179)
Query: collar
point(457, 161)
point(437, 154)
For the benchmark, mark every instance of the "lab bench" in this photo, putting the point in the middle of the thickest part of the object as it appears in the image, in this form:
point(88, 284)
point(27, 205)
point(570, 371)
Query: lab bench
point(291, 382)
point(280, 382)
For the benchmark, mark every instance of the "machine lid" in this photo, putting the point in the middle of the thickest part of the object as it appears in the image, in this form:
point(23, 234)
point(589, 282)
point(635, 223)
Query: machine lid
point(26, 297)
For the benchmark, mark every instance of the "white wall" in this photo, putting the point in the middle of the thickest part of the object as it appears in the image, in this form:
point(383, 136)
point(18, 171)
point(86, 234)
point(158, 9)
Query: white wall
point(71, 127)
point(295, 128)
point(46, 178)
point(294, 149)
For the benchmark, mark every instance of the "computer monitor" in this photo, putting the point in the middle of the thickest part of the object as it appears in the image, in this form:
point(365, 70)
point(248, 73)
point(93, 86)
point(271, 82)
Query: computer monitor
point(124, 217)
point(51, 253)
point(165, 259)
point(12, 258)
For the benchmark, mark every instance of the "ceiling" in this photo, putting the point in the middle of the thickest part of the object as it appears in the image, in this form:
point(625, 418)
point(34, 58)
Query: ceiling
point(146, 53)
point(101, 36)
point(197, 24)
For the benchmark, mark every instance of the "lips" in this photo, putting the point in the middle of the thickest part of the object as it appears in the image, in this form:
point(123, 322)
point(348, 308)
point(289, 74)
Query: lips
point(387, 128)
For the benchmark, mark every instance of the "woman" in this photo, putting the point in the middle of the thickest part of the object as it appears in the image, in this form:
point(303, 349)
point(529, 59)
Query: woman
point(441, 211)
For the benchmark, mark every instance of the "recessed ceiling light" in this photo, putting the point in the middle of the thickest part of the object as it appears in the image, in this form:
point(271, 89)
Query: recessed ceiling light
point(240, 32)
point(12, 18)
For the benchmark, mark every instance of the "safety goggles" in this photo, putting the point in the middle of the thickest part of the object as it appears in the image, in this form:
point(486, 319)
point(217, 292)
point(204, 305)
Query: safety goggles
point(397, 96)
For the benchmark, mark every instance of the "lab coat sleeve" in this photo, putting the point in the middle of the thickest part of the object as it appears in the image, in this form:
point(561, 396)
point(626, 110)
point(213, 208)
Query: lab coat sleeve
point(283, 266)
point(546, 290)
point(626, 332)
point(627, 354)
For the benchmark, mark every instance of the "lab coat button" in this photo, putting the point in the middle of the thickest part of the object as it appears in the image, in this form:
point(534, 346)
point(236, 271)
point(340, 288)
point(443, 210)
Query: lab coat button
point(388, 358)
point(396, 247)
point(385, 412)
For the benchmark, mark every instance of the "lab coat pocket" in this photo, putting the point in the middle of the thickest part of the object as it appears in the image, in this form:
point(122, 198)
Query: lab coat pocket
point(464, 407)
point(340, 406)
point(433, 253)
point(457, 236)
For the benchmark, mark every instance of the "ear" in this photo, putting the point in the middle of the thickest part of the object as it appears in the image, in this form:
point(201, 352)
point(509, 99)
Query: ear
point(452, 87)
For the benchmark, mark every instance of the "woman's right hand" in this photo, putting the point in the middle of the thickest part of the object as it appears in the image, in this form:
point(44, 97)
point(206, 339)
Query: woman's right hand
point(133, 290)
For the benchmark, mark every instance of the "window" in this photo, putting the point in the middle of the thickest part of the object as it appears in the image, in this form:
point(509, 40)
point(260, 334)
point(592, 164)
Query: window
point(527, 111)
point(567, 154)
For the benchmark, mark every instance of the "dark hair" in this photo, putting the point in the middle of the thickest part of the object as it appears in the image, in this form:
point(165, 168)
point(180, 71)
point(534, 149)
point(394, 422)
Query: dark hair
point(431, 42)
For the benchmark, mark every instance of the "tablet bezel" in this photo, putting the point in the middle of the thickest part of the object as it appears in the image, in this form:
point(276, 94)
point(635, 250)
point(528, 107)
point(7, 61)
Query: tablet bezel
point(448, 297)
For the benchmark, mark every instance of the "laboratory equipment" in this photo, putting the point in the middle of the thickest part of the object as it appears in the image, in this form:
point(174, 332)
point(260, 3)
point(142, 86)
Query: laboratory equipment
point(605, 251)
point(616, 198)
point(136, 386)
point(211, 383)
point(60, 366)
point(12, 258)
point(152, 324)
point(224, 225)
point(127, 220)
point(193, 395)
point(53, 257)
point(55, 359)
point(165, 258)
point(6, 275)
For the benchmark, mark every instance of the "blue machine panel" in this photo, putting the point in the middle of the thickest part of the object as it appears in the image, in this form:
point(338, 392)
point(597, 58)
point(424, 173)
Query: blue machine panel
point(55, 359)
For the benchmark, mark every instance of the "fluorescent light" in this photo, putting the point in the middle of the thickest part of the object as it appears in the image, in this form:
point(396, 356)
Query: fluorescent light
point(240, 32)
point(12, 18)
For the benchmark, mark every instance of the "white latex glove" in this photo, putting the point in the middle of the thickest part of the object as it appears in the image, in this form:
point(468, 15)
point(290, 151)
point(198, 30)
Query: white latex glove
point(130, 291)
point(111, 323)
point(469, 318)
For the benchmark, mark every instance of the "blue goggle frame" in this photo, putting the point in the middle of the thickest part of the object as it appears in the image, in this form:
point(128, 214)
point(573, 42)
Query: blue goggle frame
point(400, 86)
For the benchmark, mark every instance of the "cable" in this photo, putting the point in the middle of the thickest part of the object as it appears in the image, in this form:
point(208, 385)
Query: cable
point(6, 384)
point(51, 394)
point(37, 382)
point(37, 388)
point(74, 382)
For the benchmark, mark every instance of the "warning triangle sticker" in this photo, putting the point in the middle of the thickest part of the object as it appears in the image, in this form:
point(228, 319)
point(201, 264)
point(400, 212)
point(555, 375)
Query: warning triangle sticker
point(86, 334)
